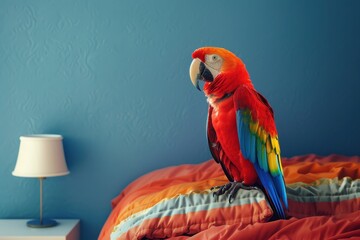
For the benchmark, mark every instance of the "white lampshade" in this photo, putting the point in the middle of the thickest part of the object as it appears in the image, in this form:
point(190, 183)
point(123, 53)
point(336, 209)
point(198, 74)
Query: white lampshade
point(41, 156)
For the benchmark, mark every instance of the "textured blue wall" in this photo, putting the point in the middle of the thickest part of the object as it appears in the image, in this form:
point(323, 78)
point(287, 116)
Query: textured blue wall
point(112, 78)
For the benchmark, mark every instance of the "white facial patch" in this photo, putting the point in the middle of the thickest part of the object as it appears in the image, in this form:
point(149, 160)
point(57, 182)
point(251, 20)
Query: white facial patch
point(214, 63)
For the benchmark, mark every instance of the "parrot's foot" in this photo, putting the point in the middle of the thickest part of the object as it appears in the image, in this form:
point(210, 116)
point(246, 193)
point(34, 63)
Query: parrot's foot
point(232, 188)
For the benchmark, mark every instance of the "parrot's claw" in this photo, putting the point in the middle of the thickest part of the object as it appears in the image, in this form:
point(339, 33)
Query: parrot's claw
point(232, 188)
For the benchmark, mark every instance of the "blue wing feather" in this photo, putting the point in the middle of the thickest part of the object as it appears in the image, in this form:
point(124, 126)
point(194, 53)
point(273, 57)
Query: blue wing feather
point(270, 186)
point(248, 146)
point(280, 188)
point(261, 155)
point(252, 141)
point(254, 150)
point(264, 157)
point(239, 125)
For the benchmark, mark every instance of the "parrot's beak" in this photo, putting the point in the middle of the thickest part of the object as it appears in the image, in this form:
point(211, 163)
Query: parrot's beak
point(200, 71)
point(194, 72)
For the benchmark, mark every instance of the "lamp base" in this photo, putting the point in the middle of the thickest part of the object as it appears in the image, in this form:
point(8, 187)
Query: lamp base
point(45, 223)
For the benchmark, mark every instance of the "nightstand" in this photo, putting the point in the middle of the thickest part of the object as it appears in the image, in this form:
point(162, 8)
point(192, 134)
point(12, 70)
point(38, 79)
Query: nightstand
point(11, 229)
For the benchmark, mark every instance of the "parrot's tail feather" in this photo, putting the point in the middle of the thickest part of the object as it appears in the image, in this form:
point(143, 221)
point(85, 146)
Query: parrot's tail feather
point(280, 188)
point(270, 188)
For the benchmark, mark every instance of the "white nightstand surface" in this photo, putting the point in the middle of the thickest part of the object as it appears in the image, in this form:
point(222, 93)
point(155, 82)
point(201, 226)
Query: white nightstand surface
point(16, 229)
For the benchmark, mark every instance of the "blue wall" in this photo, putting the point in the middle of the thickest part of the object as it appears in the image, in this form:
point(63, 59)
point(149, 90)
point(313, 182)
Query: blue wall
point(112, 78)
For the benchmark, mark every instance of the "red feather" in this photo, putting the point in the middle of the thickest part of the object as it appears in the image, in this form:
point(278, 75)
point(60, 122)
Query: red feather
point(223, 122)
point(246, 97)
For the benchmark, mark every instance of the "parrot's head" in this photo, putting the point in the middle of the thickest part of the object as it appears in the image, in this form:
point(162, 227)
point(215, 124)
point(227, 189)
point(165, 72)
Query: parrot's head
point(221, 70)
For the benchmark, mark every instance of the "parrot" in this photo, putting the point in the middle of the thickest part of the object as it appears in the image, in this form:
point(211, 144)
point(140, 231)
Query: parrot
point(241, 130)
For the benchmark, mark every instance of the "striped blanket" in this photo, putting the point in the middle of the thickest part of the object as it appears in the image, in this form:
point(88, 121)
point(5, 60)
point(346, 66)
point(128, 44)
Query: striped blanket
point(177, 203)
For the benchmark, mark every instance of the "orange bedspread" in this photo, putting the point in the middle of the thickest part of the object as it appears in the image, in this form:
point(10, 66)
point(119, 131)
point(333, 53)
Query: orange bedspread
point(175, 203)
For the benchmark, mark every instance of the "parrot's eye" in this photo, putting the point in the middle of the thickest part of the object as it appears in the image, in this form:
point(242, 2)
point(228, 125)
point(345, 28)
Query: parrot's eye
point(212, 58)
point(214, 61)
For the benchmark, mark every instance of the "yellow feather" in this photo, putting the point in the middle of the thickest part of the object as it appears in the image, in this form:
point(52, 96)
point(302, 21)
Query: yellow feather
point(272, 139)
point(254, 127)
point(275, 144)
point(263, 135)
point(268, 145)
point(281, 169)
point(259, 130)
point(272, 161)
point(278, 148)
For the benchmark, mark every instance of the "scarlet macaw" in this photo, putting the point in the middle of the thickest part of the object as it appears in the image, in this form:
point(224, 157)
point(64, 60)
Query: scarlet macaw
point(241, 130)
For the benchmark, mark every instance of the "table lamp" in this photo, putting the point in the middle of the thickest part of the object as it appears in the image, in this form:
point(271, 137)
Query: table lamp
point(41, 156)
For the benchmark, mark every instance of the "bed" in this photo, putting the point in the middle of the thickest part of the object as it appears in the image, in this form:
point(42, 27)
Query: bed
point(176, 203)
